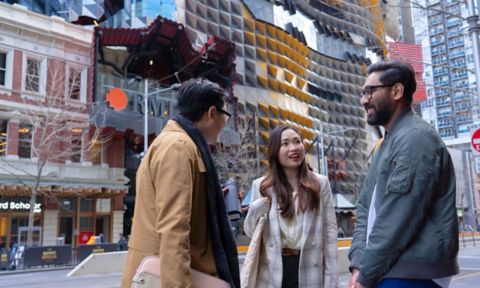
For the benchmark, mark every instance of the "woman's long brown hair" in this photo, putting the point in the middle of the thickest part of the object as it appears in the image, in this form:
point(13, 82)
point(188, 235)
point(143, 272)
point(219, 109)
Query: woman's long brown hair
point(309, 187)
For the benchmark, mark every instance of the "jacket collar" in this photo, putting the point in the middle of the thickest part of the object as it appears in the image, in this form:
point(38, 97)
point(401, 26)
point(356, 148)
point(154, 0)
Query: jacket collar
point(173, 126)
point(407, 111)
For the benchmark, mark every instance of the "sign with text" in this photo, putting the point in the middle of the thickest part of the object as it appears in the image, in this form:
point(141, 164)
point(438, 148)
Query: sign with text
point(476, 140)
point(19, 206)
point(48, 255)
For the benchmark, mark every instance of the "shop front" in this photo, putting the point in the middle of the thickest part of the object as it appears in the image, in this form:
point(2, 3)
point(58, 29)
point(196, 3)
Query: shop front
point(67, 219)
point(14, 213)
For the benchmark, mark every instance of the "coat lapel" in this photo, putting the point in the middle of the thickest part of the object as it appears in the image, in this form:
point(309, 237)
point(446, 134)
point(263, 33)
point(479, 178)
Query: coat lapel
point(274, 220)
point(307, 225)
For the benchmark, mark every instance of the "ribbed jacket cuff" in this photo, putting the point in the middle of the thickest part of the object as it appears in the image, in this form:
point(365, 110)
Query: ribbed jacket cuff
point(367, 283)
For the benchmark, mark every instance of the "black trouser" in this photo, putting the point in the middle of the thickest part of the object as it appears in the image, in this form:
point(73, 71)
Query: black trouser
point(290, 271)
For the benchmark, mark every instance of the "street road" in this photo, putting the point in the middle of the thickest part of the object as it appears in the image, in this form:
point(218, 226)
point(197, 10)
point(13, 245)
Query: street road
point(469, 277)
point(469, 260)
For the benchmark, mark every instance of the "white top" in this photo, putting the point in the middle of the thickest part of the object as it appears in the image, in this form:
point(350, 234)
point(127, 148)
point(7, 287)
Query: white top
point(291, 229)
point(372, 215)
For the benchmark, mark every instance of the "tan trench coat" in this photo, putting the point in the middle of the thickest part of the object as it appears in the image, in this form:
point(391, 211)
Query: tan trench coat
point(170, 217)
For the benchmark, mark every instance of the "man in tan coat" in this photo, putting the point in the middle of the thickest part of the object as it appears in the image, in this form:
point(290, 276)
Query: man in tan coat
point(179, 211)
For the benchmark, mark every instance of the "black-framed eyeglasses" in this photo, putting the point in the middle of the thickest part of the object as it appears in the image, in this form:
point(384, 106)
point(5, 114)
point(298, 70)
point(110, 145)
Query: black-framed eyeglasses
point(369, 90)
point(225, 112)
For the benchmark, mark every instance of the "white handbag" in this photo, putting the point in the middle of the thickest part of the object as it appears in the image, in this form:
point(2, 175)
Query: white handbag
point(248, 276)
point(148, 276)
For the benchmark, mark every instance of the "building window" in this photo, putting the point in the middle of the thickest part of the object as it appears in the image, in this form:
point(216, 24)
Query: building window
point(25, 141)
point(76, 89)
point(34, 75)
point(3, 137)
point(6, 60)
point(3, 68)
point(76, 145)
point(68, 205)
point(86, 205)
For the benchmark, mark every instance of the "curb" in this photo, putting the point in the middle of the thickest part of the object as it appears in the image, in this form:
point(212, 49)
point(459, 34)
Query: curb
point(35, 270)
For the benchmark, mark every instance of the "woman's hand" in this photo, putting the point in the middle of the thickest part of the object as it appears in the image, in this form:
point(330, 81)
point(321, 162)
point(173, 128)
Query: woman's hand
point(267, 200)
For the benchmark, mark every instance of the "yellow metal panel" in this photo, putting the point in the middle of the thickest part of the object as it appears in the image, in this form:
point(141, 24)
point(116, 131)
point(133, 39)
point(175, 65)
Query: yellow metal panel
point(249, 25)
point(275, 110)
point(261, 28)
point(261, 41)
point(283, 87)
point(272, 57)
point(281, 61)
point(263, 81)
point(246, 14)
point(288, 76)
point(249, 38)
point(272, 44)
point(262, 54)
point(264, 122)
point(265, 135)
point(271, 31)
point(263, 107)
point(272, 70)
point(273, 84)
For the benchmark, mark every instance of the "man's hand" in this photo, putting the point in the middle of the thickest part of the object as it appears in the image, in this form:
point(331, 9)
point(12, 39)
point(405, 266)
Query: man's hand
point(225, 190)
point(353, 283)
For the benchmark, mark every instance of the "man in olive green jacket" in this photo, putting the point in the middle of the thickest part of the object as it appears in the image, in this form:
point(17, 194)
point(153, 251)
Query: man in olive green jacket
point(406, 232)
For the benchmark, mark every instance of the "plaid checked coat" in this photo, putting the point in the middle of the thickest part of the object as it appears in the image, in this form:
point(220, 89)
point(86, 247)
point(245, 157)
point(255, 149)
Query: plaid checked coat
point(318, 259)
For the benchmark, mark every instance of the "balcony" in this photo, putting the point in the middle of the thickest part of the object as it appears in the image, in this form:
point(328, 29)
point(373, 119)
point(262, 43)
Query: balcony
point(460, 76)
point(445, 125)
point(464, 120)
point(438, 52)
point(454, 32)
point(457, 54)
point(436, 31)
point(442, 60)
point(441, 92)
point(440, 72)
point(461, 97)
point(442, 102)
point(455, 44)
point(441, 83)
point(454, 22)
point(459, 64)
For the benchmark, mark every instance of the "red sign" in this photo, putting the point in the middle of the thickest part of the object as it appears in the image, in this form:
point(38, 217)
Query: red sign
point(83, 237)
point(476, 140)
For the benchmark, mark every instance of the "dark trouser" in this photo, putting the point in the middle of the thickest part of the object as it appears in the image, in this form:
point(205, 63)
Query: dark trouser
point(290, 271)
point(406, 283)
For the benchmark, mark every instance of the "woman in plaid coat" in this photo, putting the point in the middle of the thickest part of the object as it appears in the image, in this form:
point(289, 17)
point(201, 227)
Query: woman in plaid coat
point(299, 239)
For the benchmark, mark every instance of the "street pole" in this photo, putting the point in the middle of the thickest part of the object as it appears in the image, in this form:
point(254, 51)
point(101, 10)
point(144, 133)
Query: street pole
point(324, 168)
point(145, 112)
point(473, 30)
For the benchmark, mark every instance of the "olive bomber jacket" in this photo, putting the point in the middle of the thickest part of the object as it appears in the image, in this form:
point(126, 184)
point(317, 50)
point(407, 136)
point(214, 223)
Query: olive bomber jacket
point(415, 233)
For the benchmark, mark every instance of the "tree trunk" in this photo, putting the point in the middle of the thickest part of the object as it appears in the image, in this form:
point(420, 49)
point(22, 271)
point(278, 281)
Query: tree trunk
point(31, 218)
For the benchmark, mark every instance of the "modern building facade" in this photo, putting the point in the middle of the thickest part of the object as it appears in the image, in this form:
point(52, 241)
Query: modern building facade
point(46, 72)
point(300, 63)
point(296, 63)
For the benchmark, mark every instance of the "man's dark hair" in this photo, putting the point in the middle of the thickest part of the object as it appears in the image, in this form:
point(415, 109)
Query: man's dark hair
point(196, 96)
point(397, 72)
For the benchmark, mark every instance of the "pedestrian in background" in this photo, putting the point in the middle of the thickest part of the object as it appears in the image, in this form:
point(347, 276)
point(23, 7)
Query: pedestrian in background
point(122, 242)
point(299, 239)
point(179, 213)
point(406, 232)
